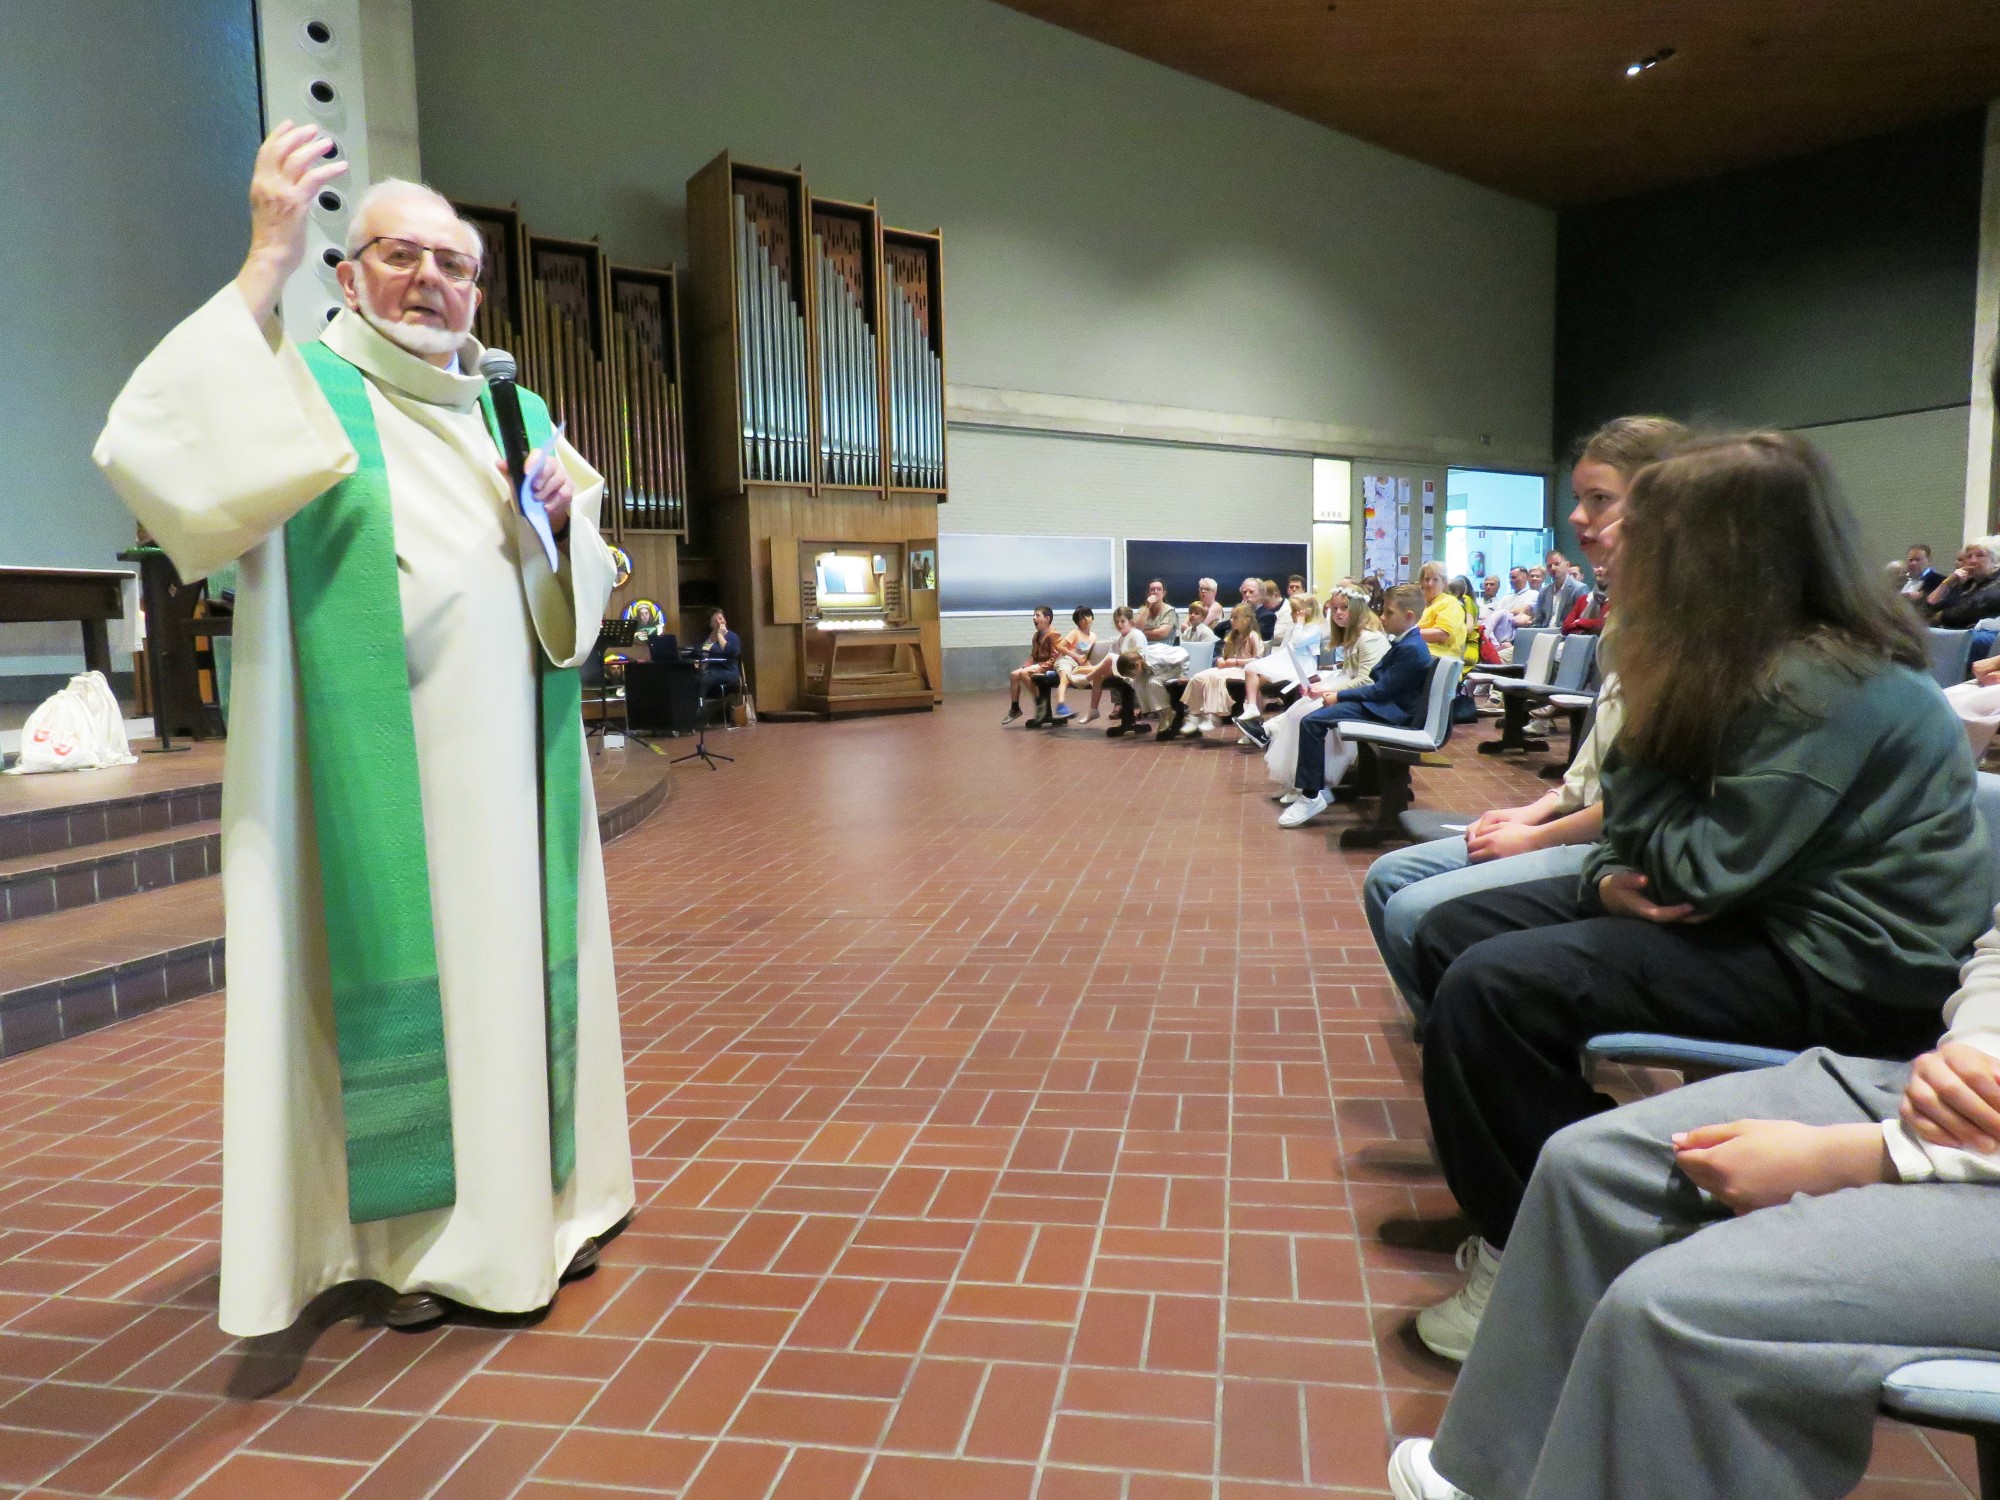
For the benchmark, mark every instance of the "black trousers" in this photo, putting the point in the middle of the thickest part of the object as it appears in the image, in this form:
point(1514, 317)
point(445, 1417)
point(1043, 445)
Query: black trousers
point(1518, 979)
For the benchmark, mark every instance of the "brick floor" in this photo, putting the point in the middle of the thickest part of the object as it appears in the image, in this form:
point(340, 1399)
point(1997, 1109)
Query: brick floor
point(998, 1105)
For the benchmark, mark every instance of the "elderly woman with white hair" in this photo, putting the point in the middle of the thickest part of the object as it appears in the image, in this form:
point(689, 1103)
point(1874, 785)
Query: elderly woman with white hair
point(1971, 592)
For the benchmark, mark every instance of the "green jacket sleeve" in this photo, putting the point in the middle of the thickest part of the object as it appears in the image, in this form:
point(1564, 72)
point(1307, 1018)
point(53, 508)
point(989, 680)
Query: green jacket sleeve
point(1712, 851)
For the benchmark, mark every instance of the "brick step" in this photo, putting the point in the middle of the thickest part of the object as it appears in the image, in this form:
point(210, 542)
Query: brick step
point(74, 971)
point(34, 885)
point(57, 813)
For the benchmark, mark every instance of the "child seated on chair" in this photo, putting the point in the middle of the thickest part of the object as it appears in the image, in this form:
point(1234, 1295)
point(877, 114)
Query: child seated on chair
point(1285, 667)
point(1073, 656)
point(1126, 638)
point(1394, 695)
point(1705, 1291)
point(1041, 658)
point(1790, 855)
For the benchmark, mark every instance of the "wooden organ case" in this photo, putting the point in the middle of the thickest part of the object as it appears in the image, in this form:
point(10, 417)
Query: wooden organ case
point(601, 344)
point(817, 430)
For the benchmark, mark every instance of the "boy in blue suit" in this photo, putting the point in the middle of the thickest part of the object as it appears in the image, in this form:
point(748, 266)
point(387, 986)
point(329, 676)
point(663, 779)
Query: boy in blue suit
point(1395, 695)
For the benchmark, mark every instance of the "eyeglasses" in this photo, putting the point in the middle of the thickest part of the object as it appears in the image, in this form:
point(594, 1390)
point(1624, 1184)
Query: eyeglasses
point(406, 255)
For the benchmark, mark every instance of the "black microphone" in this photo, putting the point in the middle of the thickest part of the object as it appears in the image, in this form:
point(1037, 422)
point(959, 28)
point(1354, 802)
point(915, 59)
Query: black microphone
point(498, 366)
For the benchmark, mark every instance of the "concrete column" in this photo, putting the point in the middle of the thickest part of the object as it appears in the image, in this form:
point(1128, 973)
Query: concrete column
point(1981, 491)
point(348, 66)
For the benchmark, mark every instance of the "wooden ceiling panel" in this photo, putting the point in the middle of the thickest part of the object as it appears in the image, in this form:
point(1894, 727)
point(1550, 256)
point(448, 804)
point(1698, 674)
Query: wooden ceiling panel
point(1531, 96)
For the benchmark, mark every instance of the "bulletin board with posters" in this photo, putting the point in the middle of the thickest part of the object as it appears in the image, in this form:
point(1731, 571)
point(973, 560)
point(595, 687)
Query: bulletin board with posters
point(1385, 521)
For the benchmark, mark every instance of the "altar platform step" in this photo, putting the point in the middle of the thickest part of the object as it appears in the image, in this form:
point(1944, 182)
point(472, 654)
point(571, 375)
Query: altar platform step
point(110, 892)
point(34, 885)
point(70, 972)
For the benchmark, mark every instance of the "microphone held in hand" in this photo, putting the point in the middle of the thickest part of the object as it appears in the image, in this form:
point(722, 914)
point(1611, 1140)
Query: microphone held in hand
point(500, 371)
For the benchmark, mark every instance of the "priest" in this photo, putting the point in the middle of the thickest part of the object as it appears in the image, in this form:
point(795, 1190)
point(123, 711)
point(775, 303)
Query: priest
point(423, 1084)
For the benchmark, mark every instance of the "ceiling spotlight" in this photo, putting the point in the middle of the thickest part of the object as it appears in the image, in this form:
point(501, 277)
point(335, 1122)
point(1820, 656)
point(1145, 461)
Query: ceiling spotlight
point(1648, 63)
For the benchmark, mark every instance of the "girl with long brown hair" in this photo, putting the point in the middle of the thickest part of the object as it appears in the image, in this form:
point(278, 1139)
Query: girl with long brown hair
point(1789, 858)
point(1359, 642)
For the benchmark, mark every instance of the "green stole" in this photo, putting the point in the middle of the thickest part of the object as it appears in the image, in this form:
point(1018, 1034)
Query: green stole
point(361, 753)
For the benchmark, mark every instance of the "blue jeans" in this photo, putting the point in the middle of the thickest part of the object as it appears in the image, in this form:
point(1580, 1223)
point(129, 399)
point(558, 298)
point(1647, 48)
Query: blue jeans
point(1403, 885)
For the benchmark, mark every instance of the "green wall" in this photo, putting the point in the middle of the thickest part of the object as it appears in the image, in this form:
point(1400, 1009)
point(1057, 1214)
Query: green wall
point(127, 128)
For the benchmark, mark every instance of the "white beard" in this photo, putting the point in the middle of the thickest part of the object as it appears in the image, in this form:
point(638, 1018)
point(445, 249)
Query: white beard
point(417, 338)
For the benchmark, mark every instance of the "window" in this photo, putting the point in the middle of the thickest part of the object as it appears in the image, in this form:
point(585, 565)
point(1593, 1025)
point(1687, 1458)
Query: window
point(1494, 522)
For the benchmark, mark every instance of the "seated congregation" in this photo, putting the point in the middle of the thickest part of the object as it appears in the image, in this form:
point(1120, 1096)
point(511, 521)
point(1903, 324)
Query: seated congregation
point(1767, 837)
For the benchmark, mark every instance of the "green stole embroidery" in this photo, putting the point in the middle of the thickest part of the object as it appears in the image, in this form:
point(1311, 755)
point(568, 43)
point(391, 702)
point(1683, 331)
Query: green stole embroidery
point(354, 688)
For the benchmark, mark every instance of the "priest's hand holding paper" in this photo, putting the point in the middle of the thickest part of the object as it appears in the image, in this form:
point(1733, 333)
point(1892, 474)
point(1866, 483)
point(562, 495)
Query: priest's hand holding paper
point(292, 166)
point(551, 485)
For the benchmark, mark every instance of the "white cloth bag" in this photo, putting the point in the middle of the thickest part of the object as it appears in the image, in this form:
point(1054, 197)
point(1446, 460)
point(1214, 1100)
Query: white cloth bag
point(79, 729)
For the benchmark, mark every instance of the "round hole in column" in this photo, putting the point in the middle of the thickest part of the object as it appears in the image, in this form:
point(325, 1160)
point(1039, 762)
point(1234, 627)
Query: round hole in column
point(322, 92)
point(332, 148)
point(332, 313)
point(331, 201)
point(332, 256)
point(318, 33)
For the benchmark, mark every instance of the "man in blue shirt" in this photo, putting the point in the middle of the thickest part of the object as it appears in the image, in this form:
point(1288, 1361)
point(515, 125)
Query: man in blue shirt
point(1395, 695)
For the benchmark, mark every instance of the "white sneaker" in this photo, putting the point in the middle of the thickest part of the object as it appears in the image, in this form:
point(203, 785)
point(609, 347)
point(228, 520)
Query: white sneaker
point(1203, 723)
point(1411, 1476)
point(1448, 1329)
point(1288, 797)
point(1304, 810)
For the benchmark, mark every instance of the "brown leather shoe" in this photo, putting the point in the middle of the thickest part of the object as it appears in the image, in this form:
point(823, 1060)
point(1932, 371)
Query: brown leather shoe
point(416, 1310)
point(582, 1263)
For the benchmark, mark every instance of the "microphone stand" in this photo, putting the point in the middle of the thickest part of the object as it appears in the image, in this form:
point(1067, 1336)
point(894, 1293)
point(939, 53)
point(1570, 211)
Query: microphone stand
point(701, 752)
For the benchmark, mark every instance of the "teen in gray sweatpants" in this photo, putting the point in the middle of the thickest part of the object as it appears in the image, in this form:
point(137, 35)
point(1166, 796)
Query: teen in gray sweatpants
point(1641, 1343)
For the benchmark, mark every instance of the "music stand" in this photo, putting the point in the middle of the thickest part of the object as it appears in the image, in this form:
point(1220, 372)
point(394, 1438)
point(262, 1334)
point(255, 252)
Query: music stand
point(701, 752)
point(613, 635)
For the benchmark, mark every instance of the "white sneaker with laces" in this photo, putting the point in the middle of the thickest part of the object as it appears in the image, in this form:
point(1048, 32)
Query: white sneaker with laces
point(1411, 1476)
point(1448, 1329)
point(1304, 810)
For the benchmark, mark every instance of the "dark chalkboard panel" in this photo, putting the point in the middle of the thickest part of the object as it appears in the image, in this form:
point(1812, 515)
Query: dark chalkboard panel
point(1181, 565)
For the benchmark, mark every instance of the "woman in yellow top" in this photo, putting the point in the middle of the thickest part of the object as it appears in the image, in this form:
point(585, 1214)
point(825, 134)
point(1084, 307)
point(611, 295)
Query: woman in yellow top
point(1443, 622)
point(1460, 588)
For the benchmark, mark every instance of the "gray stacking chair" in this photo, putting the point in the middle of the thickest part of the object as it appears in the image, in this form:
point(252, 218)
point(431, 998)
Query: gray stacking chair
point(1395, 750)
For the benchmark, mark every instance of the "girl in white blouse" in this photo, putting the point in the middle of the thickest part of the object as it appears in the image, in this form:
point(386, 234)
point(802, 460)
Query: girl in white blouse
point(1360, 643)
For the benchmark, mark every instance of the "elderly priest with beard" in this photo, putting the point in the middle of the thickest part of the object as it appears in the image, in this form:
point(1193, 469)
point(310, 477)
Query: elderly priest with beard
point(422, 1083)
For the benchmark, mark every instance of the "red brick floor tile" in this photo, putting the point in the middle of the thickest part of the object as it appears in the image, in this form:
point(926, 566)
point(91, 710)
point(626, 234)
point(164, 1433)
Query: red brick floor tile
point(497, 1466)
point(258, 1476)
point(936, 1406)
point(1133, 1443)
point(896, 1477)
point(421, 1460)
point(28, 1457)
point(737, 1471)
point(630, 1460)
point(820, 1474)
point(999, 1157)
point(318, 1432)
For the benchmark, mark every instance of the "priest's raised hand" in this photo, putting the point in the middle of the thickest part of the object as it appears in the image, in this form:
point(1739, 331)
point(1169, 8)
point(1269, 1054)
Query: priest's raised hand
point(291, 170)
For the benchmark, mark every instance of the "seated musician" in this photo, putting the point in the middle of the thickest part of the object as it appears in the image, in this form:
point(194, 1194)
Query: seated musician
point(720, 657)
